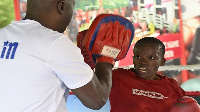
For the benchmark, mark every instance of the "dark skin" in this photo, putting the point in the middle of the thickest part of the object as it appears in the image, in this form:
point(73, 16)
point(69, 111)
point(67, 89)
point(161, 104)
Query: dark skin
point(147, 59)
point(56, 15)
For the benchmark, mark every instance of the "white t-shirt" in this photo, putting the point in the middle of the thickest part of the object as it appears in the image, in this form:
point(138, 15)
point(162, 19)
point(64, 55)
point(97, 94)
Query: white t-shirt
point(37, 66)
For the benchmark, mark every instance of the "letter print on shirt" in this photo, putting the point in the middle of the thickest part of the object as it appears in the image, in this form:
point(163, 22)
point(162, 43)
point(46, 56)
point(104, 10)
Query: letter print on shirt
point(9, 49)
point(148, 94)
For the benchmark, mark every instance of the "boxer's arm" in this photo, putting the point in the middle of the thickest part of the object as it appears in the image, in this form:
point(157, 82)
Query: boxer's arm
point(95, 94)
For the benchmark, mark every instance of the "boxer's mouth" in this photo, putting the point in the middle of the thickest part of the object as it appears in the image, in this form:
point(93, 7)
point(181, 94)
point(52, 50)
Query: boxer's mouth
point(143, 70)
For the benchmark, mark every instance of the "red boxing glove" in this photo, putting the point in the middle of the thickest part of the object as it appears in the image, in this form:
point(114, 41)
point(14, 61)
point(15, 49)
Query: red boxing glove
point(87, 57)
point(186, 104)
point(108, 38)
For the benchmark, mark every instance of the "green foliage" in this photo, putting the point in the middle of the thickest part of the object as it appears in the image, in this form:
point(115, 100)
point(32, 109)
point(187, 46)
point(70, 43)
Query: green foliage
point(6, 12)
point(107, 4)
point(85, 4)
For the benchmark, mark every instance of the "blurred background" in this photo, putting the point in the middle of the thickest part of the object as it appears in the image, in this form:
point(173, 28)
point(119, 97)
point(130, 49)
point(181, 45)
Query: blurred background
point(175, 22)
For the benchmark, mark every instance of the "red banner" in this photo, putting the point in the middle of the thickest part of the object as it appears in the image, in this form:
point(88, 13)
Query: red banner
point(172, 45)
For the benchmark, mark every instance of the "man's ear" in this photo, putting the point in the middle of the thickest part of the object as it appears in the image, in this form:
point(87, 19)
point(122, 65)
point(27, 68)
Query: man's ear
point(60, 6)
point(162, 61)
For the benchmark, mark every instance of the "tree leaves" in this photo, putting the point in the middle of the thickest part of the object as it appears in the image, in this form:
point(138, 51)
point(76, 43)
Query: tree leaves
point(6, 12)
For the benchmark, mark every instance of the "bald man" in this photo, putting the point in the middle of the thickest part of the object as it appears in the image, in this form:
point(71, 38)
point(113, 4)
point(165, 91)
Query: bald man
point(39, 64)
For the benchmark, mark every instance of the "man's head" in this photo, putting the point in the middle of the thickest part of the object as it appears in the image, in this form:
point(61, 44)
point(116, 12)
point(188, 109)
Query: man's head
point(53, 14)
point(148, 56)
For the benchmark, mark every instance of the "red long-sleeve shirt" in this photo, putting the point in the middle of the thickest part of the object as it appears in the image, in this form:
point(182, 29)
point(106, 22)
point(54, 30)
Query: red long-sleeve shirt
point(131, 93)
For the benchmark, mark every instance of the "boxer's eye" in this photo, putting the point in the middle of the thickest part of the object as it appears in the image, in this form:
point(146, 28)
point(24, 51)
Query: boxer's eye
point(152, 58)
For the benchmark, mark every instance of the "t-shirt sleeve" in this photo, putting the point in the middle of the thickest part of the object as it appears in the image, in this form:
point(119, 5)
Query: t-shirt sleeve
point(66, 60)
point(178, 88)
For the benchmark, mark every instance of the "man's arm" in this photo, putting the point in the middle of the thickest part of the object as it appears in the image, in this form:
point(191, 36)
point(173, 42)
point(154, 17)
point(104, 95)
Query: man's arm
point(100, 50)
point(94, 95)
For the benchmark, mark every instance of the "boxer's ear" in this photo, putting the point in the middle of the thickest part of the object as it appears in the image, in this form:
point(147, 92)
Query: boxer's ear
point(60, 6)
point(162, 61)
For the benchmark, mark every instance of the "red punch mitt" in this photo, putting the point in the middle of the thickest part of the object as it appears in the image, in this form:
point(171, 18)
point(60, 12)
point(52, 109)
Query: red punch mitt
point(87, 57)
point(108, 38)
point(186, 104)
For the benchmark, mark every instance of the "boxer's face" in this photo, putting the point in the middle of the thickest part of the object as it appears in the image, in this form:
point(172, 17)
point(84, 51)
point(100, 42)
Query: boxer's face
point(147, 59)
